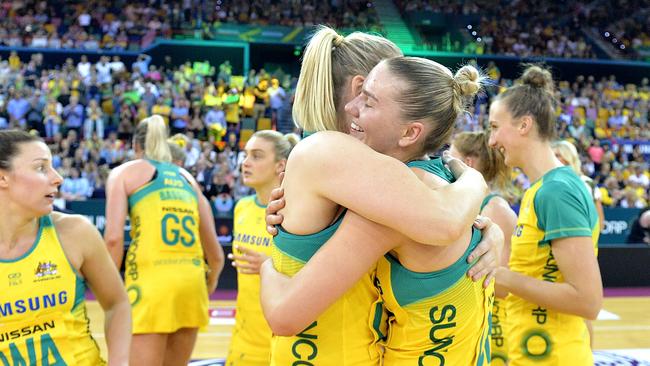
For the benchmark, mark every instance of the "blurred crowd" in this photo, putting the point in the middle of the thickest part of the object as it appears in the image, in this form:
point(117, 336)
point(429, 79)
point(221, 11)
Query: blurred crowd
point(130, 25)
point(87, 112)
point(550, 28)
point(358, 14)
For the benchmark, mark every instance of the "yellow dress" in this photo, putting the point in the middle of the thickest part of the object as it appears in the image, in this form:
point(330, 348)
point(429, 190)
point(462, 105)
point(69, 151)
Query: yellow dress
point(43, 318)
point(440, 317)
point(499, 344)
point(251, 337)
point(164, 266)
point(348, 332)
point(556, 206)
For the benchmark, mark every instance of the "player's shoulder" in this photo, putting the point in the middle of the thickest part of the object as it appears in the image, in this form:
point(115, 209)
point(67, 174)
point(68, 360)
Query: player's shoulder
point(72, 225)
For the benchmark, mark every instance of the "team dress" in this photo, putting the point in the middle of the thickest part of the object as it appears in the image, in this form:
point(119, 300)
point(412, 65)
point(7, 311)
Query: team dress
point(348, 332)
point(43, 319)
point(164, 266)
point(251, 337)
point(556, 206)
point(440, 317)
point(499, 343)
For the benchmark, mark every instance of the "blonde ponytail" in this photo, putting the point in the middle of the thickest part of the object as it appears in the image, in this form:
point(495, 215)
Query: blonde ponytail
point(314, 108)
point(151, 135)
point(329, 63)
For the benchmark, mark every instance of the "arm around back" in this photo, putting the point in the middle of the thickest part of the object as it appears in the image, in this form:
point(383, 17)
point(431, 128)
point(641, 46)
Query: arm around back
point(289, 304)
point(383, 189)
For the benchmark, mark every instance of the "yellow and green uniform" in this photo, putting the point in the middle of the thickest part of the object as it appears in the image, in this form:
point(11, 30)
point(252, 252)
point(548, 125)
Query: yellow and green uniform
point(345, 333)
point(43, 317)
point(556, 206)
point(499, 344)
point(164, 266)
point(439, 317)
point(251, 337)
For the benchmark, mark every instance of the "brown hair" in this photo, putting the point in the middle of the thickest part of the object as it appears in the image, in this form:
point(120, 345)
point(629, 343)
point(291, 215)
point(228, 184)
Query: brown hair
point(533, 97)
point(10, 141)
point(491, 161)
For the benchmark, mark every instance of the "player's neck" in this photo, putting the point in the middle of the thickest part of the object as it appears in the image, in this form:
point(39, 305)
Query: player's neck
point(14, 227)
point(540, 159)
point(263, 194)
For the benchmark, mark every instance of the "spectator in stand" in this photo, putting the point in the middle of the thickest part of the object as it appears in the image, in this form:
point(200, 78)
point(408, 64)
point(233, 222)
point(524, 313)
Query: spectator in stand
point(639, 177)
point(75, 187)
point(163, 109)
point(103, 68)
point(17, 108)
point(83, 68)
point(261, 99)
point(596, 153)
point(73, 114)
point(277, 97)
point(94, 120)
point(53, 117)
point(180, 117)
point(215, 117)
point(141, 66)
point(34, 115)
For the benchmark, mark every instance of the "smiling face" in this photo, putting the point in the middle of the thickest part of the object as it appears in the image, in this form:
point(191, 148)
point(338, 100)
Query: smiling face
point(504, 133)
point(31, 183)
point(375, 115)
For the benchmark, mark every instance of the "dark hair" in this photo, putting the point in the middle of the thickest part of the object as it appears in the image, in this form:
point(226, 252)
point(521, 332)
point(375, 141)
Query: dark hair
point(533, 97)
point(10, 140)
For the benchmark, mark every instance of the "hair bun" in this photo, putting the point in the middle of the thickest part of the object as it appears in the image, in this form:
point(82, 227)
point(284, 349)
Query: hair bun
point(292, 138)
point(538, 77)
point(469, 80)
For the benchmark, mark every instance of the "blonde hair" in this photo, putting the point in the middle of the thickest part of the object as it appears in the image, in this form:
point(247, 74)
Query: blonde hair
point(569, 153)
point(282, 144)
point(330, 60)
point(151, 136)
point(177, 152)
point(492, 164)
point(433, 94)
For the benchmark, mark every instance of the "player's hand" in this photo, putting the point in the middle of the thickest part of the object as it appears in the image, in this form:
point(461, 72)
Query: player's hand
point(456, 166)
point(247, 261)
point(488, 251)
point(276, 203)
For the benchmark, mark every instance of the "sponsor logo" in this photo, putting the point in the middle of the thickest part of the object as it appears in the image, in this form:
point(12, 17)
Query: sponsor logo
point(134, 294)
point(25, 331)
point(35, 303)
point(15, 279)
